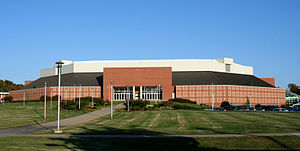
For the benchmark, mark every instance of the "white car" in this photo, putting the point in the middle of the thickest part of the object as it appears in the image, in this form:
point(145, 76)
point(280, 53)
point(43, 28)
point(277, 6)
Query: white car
point(280, 109)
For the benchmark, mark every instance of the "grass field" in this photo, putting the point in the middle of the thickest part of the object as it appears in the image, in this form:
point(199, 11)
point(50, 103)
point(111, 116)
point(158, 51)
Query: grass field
point(15, 114)
point(224, 143)
point(190, 122)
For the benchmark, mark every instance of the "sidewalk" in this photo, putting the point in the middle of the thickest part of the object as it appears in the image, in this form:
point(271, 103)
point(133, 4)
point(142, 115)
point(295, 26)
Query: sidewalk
point(27, 130)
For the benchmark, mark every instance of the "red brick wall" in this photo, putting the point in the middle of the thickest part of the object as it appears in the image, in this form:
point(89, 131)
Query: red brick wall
point(234, 94)
point(67, 93)
point(139, 76)
point(269, 80)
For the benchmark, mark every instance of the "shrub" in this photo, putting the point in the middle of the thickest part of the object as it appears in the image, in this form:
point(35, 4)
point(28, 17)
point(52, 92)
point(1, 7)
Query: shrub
point(182, 100)
point(100, 101)
point(285, 106)
point(167, 104)
point(68, 105)
point(42, 98)
point(8, 98)
point(136, 104)
point(225, 103)
point(183, 106)
point(257, 106)
point(135, 108)
point(83, 103)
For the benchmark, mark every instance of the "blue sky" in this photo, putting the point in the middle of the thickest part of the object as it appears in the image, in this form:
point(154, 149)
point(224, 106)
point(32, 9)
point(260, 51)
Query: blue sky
point(259, 33)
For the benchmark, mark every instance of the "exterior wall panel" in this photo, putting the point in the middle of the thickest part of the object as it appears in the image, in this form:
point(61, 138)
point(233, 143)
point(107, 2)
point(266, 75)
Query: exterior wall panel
point(234, 94)
point(67, 93)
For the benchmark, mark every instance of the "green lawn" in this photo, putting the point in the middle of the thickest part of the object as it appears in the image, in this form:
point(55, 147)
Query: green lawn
point(15, 114)
point(132, 144)
point(190, 122)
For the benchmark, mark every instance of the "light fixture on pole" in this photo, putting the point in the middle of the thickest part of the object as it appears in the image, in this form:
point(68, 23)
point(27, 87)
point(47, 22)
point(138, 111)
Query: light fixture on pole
point(58, 65)
point(51, 100)
point(127, 96)
point(212, 97)
point(24, 98)
point(74, 94)
point(92, 97)
point(79, 96)
point(111, 101)
point(45, 101)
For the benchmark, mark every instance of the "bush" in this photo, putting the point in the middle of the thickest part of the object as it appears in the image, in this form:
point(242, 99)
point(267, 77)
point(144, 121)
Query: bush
point(136, 104)
point(167, 104)
point(182, 100)
point(184, 106)
point(225, 103)
point(135, 108)
point(258, 106)
point(285, 106)
point(100, 102)
point(68, 105)
point(8, 98)
point(42, 98)
point(83, 103)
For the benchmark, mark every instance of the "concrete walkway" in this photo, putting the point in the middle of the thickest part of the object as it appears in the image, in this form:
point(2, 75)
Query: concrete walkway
point(28, 130)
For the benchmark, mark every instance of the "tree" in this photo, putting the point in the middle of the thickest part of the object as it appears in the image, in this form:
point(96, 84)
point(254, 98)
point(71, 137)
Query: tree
point(294, 88)
point(248, 102)
point(225, 103)
point(7, 85)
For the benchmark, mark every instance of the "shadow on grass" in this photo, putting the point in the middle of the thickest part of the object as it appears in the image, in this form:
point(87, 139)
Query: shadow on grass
point(130, 143)
point(278, 142)
point(38, 113)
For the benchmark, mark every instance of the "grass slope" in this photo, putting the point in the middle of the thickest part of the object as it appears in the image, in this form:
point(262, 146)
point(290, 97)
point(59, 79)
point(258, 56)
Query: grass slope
point(190, 122)
point(15, 114)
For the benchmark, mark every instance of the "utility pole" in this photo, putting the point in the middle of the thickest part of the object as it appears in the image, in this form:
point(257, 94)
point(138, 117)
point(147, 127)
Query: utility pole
point(74, 93)
point(24, 98)
point(79, 95)
point(127, 98)
point(250, 102)
point(51, 100)
point(92, 98)
point(111, 101)
point(59, 66)
point(45, 102)
point(212, 96)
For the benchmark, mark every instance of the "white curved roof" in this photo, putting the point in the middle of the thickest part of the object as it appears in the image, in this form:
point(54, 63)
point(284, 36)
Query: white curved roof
point(217, 65)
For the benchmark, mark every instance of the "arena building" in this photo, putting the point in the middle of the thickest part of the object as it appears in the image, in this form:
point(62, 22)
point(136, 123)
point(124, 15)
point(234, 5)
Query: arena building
point(200, 80)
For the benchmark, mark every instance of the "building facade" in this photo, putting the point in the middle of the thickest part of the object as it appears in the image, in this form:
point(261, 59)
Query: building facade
point(203, 81)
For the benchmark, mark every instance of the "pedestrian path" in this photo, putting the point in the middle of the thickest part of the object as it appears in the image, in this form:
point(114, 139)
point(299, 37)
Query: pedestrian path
point(26, 130)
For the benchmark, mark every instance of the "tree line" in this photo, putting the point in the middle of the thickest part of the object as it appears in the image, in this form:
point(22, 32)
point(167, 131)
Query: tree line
point(7, 85)
point(294, 88)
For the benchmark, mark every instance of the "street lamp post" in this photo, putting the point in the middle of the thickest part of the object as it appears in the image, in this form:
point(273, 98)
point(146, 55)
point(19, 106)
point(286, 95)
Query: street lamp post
point(212, 97)
point(79, 96)
point(74, 93)
point(92, 98)
point(51, 100)
point(59, 65)
point(45, 102)
point(128, 98)
point(111, 99)
point(24, 98)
